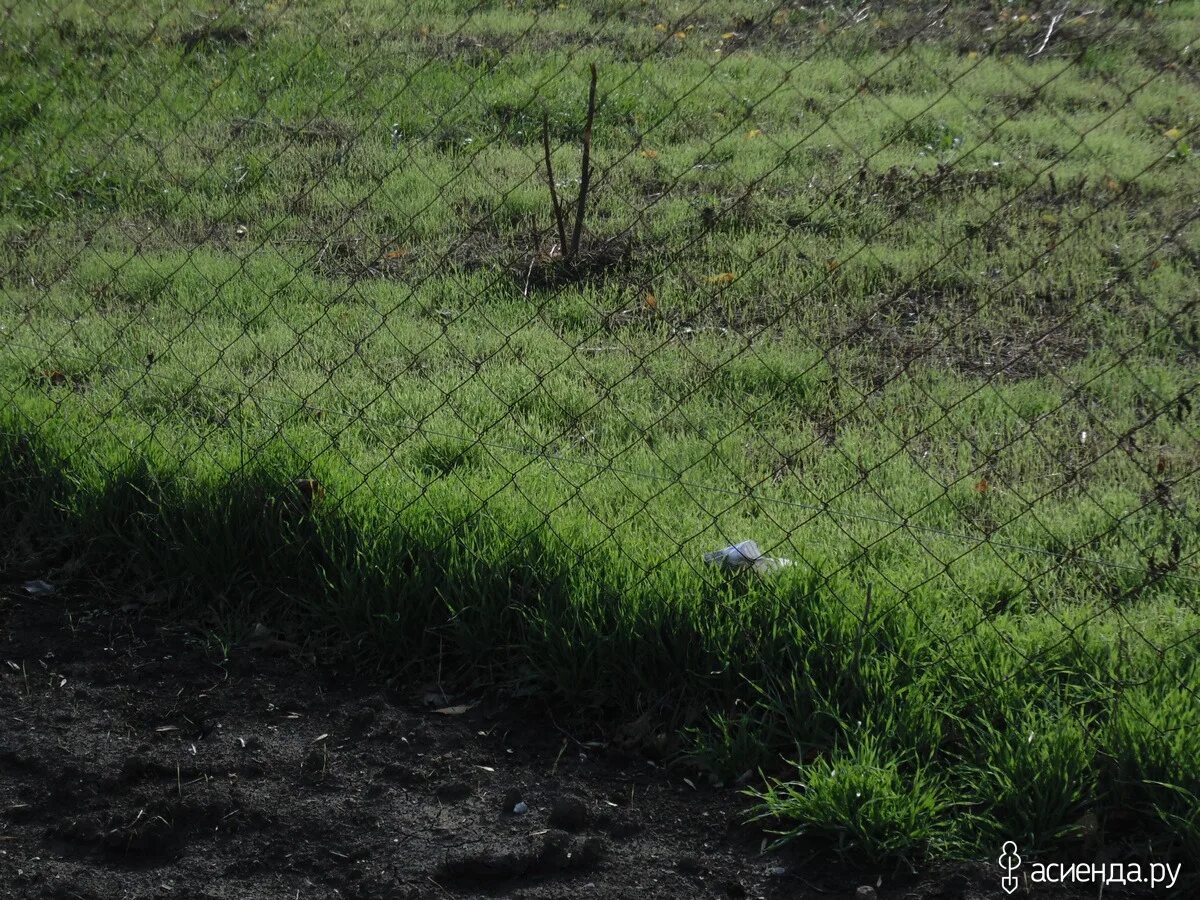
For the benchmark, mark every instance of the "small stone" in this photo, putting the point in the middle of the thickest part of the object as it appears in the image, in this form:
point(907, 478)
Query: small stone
point(520, 808)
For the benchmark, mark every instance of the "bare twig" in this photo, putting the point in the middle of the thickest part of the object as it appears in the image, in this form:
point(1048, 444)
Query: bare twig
point(529, 274)
point(561, 751)
point(1054, 20)
point(586, 175)
point(558, 216)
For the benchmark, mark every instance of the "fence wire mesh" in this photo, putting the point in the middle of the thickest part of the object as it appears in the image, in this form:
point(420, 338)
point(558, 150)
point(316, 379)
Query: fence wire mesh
point(477, 325)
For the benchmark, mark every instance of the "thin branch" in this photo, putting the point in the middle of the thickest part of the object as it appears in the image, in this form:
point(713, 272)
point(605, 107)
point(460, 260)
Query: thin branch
point(586, 175)
point(529, 275)
point(558, 215)
point(1054, 20)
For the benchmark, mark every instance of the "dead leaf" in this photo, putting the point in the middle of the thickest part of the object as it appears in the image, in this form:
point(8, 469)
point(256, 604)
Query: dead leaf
point(650, 154)
point(721, 278)
point(651, 302)
point(56, 377)
point(753, 133)
point(981, 486)
point(1173, 134)
point(454, 710)
point(398, 253)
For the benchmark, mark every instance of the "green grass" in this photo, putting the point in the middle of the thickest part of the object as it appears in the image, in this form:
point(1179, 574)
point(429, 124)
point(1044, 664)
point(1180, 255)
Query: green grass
point(923, 320)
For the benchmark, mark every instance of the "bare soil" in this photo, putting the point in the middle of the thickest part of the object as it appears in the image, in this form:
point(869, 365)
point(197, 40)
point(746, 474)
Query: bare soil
point(137, 762)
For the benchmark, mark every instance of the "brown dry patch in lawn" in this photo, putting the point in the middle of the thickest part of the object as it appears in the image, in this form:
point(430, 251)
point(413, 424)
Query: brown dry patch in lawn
point(944, 329)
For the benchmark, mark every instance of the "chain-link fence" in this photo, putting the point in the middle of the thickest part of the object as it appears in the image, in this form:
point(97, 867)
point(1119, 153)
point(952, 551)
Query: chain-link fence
point(481, 329)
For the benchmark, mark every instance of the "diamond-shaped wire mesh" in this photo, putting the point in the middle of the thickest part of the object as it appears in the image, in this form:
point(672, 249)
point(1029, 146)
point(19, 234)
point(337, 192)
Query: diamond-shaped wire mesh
point(350, 310)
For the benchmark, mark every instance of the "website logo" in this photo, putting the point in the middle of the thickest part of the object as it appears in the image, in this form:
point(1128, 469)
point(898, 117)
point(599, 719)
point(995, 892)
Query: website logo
point(1155, 874)
point(1010, 861)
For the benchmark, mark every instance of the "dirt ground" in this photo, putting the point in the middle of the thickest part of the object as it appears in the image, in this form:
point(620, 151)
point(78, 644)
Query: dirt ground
point(136, 762)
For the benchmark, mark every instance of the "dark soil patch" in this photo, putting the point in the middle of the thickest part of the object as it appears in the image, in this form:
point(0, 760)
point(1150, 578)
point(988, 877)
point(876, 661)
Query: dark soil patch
point(479, 50)
point(991, 25)
point(312, 132)
point(135, 763)
point(528, 257)
point(533, 259)
point(903, 187)
point(942, 330)
point(52, 378)
point(484, 50)
point(356, 258)
point(216, 36)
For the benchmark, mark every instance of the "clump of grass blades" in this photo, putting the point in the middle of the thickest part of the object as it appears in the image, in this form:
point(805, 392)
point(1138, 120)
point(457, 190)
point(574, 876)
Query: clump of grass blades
point(865, 800)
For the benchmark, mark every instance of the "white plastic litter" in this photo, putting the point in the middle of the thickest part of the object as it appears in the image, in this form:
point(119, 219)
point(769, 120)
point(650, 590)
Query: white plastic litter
point(37, 587)
point(745, 555)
